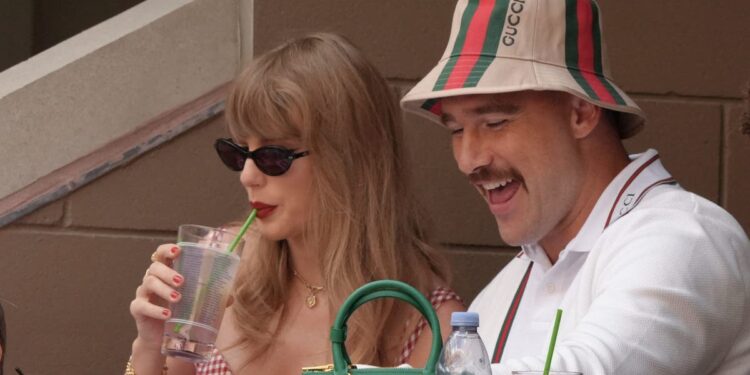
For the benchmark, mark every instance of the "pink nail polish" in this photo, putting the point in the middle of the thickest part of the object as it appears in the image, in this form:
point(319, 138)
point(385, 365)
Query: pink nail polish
point(174, 250)
point(177, 279)
point(174, 295)
point(165, 312)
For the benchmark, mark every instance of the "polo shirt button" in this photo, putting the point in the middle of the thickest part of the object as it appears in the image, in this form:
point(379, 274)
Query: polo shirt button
point(550, 288)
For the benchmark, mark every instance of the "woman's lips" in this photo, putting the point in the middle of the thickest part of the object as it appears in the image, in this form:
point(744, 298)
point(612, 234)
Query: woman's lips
point(263, 209)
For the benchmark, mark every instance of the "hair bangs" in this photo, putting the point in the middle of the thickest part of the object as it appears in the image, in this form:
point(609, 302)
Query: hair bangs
point(265, 106)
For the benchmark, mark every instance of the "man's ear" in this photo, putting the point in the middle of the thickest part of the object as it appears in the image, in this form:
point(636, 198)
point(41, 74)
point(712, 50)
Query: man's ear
point(584, 117)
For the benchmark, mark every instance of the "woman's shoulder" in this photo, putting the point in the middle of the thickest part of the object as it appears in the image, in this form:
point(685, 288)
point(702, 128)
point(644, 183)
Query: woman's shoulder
point(445, 301)
point(442, 294)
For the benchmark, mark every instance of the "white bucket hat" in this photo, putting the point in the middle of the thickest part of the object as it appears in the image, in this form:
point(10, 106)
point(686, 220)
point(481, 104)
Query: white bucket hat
point(499, 46)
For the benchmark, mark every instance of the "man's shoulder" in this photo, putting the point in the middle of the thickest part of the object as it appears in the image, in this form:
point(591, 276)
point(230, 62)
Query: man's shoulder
point(673, 228)
point(673, 209)
point(677, 198)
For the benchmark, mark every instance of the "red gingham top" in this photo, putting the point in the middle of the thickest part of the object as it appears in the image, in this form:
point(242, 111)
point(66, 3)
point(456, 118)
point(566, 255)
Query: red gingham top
point(217, 366)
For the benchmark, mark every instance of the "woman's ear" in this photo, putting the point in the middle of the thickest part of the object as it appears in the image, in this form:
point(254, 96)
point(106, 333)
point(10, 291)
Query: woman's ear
point(584, 117)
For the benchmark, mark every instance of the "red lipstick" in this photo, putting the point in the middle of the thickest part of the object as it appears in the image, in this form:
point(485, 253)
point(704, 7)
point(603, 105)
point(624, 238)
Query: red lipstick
point(263, 209)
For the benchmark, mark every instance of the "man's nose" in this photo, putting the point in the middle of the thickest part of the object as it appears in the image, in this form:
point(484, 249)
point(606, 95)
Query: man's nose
point(470, 151)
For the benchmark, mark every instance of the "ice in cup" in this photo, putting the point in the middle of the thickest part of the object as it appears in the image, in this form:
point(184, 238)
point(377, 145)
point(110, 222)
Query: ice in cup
point(208, 269)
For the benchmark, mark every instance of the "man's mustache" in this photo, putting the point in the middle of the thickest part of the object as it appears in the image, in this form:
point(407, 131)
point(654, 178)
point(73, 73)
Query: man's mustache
point(490, 173)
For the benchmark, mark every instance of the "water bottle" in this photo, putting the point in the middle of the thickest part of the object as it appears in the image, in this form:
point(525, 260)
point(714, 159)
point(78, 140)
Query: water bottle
point(464, 352)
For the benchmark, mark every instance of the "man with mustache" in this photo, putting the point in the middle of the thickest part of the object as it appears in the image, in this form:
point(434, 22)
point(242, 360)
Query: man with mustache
point(652, 279)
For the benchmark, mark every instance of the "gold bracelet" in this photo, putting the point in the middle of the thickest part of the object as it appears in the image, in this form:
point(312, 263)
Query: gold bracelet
point(129, 370)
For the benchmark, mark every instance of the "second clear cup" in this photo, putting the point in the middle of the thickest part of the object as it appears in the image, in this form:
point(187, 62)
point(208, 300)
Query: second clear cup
point(208, 269)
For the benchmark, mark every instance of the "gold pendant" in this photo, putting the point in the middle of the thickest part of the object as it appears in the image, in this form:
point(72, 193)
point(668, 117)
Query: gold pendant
point(311, 301)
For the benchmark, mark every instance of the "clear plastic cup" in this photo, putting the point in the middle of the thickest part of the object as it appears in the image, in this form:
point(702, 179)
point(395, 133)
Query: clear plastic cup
point(208, 270)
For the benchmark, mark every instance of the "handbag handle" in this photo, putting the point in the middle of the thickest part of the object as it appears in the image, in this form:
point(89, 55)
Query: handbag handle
point(376, 290)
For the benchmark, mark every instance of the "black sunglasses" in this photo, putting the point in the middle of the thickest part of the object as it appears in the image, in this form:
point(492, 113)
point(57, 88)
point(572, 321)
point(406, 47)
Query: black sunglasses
point(271, 160)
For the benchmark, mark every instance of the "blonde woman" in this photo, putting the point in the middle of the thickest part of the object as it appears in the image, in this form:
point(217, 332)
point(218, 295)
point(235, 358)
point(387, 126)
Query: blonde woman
point(333, 214)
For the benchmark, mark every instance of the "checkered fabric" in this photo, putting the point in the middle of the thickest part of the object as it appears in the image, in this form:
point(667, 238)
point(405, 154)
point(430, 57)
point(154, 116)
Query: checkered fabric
point(217, 366)
point(437, 297)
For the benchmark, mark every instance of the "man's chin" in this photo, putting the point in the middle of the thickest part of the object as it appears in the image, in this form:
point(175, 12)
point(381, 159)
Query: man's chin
point(513, 238)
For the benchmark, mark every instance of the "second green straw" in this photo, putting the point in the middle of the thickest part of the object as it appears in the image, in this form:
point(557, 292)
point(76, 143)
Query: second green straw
point(552, 342)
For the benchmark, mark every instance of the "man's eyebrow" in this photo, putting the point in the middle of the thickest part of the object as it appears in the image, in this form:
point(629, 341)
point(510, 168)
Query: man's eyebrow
point(505, 108)
point(446, 117)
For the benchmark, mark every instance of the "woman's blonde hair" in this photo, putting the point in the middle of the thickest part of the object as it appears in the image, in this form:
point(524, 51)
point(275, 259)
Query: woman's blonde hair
point(364, 221)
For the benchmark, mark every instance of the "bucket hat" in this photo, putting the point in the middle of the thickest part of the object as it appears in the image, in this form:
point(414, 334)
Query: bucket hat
point(500, 46)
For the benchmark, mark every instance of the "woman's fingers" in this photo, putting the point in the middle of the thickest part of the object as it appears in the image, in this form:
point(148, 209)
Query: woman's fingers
point(141, 307)
point(164, 273)
point(152, 297)
point(166, 254)
point(158, 286)
point(155, 287)
point(149, 308)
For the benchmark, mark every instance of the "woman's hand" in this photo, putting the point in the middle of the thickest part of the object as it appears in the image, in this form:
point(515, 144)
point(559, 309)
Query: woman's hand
point(149, 308)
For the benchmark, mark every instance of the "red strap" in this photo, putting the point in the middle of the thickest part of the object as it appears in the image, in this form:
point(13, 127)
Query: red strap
point(502, 338)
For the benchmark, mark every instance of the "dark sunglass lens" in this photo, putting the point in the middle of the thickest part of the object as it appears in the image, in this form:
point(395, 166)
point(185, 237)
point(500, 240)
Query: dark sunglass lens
point(231, 156)
point(272, 161)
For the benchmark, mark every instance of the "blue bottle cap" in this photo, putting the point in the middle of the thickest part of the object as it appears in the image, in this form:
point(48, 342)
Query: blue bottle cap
point(465, 319)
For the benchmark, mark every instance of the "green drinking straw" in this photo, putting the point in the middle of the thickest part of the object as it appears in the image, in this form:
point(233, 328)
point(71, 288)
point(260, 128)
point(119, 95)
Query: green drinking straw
point(249, 221)
point(552, 342)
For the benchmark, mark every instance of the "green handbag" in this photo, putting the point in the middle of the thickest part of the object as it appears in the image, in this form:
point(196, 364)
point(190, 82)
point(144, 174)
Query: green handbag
point(342, 365)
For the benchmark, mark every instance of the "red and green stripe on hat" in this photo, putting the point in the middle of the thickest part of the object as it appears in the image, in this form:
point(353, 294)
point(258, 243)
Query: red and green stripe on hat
point(583, 51)
point(568, 43)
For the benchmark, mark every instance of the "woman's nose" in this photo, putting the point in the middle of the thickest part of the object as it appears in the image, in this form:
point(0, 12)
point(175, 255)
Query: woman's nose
point(251, 176)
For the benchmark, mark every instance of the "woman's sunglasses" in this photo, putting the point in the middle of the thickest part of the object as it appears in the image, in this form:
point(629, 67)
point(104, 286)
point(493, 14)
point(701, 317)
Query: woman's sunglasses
point(271, 160)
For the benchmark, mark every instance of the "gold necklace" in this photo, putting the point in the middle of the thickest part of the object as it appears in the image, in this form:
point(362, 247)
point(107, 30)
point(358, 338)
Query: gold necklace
point(312, 290)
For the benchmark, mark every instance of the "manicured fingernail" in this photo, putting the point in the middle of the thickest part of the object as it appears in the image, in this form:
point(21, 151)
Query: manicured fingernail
point(165, 312)
point(174, 295)
point(177, 279)
point(174, 250)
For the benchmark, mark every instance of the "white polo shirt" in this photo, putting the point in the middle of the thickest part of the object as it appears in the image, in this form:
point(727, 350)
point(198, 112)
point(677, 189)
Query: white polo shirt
point(657, 281)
